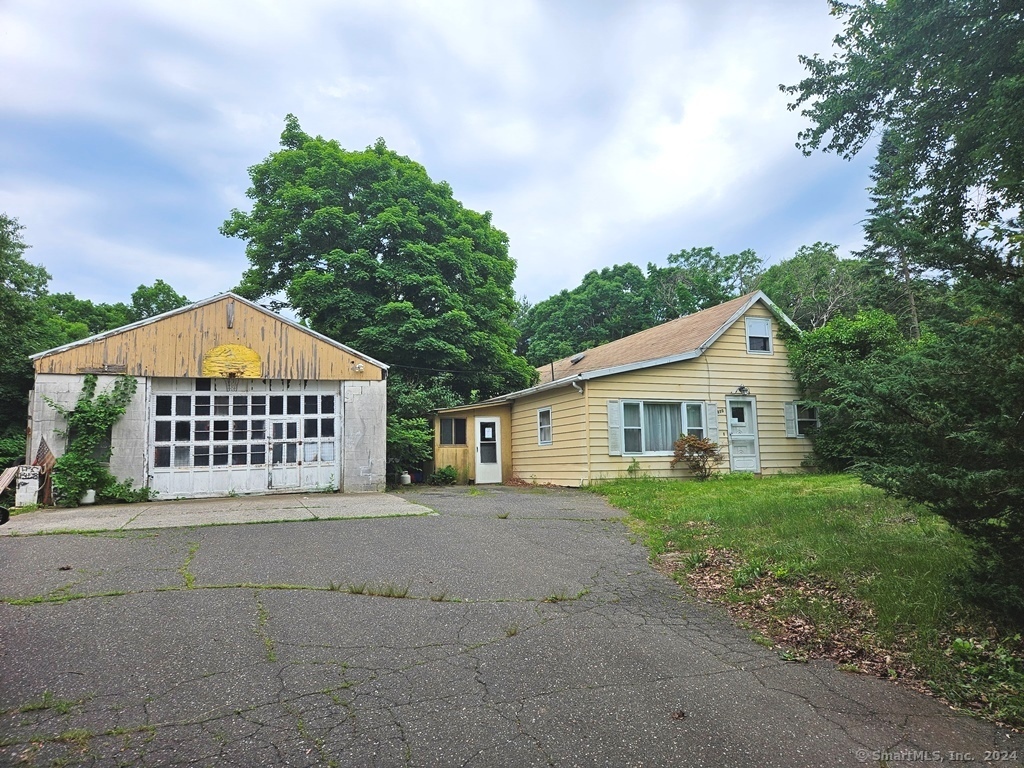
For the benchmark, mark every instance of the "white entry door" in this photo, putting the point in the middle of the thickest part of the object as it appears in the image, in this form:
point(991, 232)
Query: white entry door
point(488, 451)
point(285, 462)
point(744, 455)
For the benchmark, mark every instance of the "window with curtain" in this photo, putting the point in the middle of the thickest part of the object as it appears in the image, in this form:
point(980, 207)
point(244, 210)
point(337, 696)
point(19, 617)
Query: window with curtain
point(654, 426)
point(544, 426)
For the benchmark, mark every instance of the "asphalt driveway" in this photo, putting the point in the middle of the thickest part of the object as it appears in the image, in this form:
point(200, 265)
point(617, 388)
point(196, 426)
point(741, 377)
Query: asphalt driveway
point(506, 628)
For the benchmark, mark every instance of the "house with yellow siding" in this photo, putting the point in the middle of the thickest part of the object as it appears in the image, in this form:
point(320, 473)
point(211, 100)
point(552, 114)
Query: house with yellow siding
point(721, 373)
point(230, 399)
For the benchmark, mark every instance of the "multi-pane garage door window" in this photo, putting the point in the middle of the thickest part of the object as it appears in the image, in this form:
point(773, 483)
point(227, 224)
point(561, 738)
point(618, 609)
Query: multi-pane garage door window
point(204, 430)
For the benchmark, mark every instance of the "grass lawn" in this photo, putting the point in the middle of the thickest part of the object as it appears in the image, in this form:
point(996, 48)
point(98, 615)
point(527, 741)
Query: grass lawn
point(825, 566)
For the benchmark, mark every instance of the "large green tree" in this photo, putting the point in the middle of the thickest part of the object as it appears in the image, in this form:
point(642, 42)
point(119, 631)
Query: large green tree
point(698, 278)
point(815, 285)
point(155, 299)
point(370, 251)
point(78, 318)
point(942, 81)
point(21, 284)
point(618, 301)
point(607, 305)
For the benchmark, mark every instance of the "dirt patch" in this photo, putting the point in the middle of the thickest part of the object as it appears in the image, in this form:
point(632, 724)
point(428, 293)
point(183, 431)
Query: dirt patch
point(780, 610)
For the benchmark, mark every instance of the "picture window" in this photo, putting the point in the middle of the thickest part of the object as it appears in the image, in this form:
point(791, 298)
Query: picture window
point(652, 427)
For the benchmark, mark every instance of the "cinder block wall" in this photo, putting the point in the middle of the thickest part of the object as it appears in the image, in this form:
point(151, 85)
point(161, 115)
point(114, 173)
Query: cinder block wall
point(128, 436)
point(364, 439)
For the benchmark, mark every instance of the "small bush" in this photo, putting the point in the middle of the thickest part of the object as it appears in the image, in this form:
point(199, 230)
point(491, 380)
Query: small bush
point(12, 450)
point(444, 476)
point(699, 454)
point(123, 492)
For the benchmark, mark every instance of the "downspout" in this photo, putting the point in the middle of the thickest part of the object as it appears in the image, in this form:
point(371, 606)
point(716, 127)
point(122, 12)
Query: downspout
point(585, 391)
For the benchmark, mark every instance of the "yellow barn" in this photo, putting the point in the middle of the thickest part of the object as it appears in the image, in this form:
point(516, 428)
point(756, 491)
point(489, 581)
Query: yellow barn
point(231, 399)
point(721, 373)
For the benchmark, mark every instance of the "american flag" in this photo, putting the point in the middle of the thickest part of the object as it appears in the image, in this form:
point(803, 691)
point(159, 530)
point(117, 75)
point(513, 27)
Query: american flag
point(44, 456)
point(45, 460)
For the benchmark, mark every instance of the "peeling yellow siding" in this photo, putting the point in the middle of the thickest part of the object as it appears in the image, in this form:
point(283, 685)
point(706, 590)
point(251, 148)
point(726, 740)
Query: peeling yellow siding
point(176, 347)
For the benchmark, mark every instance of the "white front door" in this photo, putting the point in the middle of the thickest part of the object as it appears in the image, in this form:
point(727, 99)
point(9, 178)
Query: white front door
point(743, 451)
point(488, 451)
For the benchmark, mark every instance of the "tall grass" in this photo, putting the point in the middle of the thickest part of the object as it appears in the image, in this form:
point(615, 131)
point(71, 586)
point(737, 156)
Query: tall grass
point(902, 562)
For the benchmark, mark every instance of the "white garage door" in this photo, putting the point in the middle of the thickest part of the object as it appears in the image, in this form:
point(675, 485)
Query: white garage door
point(222, 436)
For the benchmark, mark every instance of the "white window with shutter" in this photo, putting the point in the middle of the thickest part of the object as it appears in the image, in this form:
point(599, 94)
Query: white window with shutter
point(614, 428)
point(651, 427)
point(801, 419)
point(711, 419)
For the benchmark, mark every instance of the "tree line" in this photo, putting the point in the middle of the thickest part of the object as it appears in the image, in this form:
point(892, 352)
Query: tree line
point(33, 320)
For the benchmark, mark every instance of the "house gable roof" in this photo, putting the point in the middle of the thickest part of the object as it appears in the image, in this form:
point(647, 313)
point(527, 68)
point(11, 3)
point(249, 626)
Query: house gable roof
point(682, 339)
point(173, 343)
point(678, 339)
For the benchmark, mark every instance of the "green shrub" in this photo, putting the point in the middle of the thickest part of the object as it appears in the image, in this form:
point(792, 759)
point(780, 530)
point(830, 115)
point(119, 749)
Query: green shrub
point(12, 450)
point(699, 454)
point(444, 476)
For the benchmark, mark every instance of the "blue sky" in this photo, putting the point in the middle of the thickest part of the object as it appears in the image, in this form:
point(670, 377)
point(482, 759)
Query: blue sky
point(596, 131)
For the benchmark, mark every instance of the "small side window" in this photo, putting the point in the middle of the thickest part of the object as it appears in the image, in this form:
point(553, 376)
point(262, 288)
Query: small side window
point(759, 335)
point(806, 419)
point(801, 420)
point(544, 426)
point(453, 431)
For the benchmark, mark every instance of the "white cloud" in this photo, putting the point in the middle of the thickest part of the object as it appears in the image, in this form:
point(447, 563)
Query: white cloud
point(595, 132)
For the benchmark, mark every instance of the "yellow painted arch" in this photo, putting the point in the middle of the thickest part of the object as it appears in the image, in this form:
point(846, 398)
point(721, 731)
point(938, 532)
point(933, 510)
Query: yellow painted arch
point(232, 361)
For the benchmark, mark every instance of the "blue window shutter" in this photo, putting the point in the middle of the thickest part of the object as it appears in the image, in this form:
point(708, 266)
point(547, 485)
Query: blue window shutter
point(791, 430)
point(711, 420)
point(614, 428)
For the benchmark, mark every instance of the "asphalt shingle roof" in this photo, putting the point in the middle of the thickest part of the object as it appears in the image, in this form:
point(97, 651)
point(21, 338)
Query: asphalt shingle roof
point(676, 337)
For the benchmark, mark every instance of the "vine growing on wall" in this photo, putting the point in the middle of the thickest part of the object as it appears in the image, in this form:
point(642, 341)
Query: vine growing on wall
point(83, 466)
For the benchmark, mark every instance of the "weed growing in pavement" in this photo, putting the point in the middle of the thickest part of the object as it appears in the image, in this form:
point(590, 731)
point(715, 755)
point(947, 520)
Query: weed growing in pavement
point(47, 702)
point(262, 618)
point(186, 574)
point(563, 595)
point(389, 589)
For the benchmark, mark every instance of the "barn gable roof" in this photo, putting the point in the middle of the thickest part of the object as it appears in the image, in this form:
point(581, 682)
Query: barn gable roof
point(178, 342)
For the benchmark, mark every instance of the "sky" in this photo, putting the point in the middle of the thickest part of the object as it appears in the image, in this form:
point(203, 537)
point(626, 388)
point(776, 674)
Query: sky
point(597, 132)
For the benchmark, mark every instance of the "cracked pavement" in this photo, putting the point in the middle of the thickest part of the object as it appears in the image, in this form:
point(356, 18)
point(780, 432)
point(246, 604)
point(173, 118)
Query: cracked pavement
point(533, 632)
